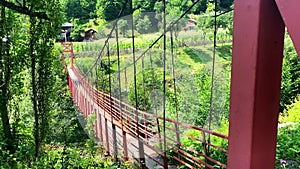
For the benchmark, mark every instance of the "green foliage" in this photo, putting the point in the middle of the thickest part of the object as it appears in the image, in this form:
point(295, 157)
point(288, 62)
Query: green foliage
point(290, 85)
point(84, 64)
point(123, 26)
point(82, 10)
point(206, 21)
point(76, 33)
point(29, 52)
point(193, 143)
point(225, 4)
point(147, 82)
point(144, 25)
point(144, 6)
point(200, 7)
point(216, 154)
point(201, 106)
point(288, 148)
point(56, 155)
point(177, 7)
point(109, 9)
point(225, 51)
point(44, 131)
point(64, 127)
point(104, 75)
point(292, 113)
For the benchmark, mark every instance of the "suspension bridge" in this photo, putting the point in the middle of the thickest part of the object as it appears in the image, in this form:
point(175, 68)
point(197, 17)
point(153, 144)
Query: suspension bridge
point(153, 140)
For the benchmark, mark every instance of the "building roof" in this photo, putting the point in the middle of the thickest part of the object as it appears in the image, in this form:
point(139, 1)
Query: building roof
point(90, 29)
point(67, 25)
point(192, 20)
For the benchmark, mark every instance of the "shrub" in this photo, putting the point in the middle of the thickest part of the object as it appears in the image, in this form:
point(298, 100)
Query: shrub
point(288, 147)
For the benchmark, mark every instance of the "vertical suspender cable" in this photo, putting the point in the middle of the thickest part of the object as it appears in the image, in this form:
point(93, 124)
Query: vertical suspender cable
point(164, 86)
point(120, 97)
point(109, 82)
point(175, 90)
point(213, 71)
point(145, 104)
point(143, 79)
point(141, 146)
point(108, 37)
point(126, 96)
point(119, 73)
point(114, 142)
point(155, 101)
point(103, 103)
point(134, 65)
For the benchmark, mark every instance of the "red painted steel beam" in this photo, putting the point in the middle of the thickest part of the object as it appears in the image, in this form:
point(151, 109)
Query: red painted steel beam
point(255, 84)
point(290, 13)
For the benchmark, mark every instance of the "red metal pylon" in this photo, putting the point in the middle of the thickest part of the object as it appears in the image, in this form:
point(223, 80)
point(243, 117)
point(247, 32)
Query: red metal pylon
point(68, 48)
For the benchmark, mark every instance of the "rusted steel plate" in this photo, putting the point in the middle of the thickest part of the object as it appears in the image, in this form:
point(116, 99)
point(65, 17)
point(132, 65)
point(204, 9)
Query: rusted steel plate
point(289, 10)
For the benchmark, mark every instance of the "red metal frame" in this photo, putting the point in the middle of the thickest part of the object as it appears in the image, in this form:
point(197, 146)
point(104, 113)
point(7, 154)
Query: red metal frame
point(256, 76)
point(108, 108)
point(255, 93)
point(290, 12)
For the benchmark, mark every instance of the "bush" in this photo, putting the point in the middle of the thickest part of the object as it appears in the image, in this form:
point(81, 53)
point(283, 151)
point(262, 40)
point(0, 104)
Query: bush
point(288, 142)
point(288, 147)
point(293, 112)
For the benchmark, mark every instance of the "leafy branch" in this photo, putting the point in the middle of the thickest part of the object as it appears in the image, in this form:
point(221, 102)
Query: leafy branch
point(23, 9)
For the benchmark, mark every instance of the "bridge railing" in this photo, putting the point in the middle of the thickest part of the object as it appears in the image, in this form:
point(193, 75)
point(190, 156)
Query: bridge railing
point(182, 144)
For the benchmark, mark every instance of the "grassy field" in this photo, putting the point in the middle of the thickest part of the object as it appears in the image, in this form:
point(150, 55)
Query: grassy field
point(187, 59)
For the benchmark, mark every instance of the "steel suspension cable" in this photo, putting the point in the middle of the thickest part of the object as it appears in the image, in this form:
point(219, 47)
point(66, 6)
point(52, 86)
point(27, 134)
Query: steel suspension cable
point(212, 73)
point(174, 82)
point(172, 24)
point(110, 104)
point(120, 96)
point(140, 144)
point(155, 101)
point(109, 82)
point(126, 88)
point(119, 74)
point(107, 39)
point(134, 68)
point(103, 86)
point(144, 90)
point(143, 84)
point(164, 84)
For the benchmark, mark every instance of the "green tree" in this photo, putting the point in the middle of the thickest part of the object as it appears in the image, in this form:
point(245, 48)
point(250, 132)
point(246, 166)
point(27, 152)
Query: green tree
point(148, 82)
point(41, 25)
point(177, 7)
point(104, 75)
point(200, 7)
point(225, 4)
point(5, 80)
point(206, 21)
point(144, 25)
point(122, 26)
point(144, 6)
point(109, 9)
point(80, 9)
point(40, 52)
point(290, 85)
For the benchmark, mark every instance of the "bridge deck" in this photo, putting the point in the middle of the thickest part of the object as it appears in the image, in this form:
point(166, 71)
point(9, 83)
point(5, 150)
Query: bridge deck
point(134, 135)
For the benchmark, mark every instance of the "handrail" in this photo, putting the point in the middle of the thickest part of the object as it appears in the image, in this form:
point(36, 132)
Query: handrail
point(109, 107)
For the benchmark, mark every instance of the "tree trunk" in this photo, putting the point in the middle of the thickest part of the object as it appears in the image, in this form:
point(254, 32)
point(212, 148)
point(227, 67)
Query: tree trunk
point(4, 80)
point(34, 87)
